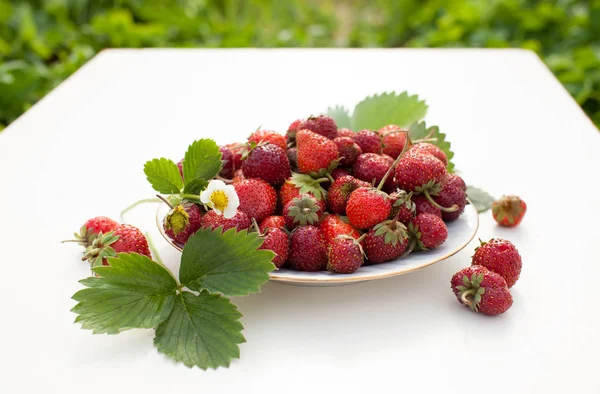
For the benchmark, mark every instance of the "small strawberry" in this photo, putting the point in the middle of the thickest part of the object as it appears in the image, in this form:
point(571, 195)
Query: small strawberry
point(270, 136)
point(276, 240)
point(481, 290)
point(234, 157)
point(368, 206)
point(323, 125)
point(299, 184)
point(394, 142)
point(345, 133)
point(500, 256)
point(402, 206)
point(369, 141)
point(370, 167)
point(509, 211)
point(456, 181)
point(428, 231)
point(182, 222)
point(268, 162)
point(228, 163)
point(427, 148)
point(308, 250)
point(385, 130)
point(258, 199)
point(423, 205)
point(303, 210)
point(315, 152)
point(124, 239)
point(271, 222)
point(418, 170)
point(386, 241)
point(348, 150)
point(212, 219)
point(92, 229)
point(340, 192)
point(344, 255)
point(450, 195)
point(332, 225)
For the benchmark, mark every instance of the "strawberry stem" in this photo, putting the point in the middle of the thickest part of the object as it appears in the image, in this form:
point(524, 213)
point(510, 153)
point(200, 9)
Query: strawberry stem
point(464, 297)
point(411, 248)
point(425, 140)
point(135, 204)
point(256, 227)
point(165, 201)
point(191, 197)
point(225, 180)
point(387, 174)
point(432, 201)
point(153, 250)
point(361, 238)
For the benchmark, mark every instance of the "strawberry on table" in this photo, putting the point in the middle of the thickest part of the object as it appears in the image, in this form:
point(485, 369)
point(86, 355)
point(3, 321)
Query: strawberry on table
point(509, 211)
point(92, 228)
point(500, 256)
point(124, 239)
point(481, 290)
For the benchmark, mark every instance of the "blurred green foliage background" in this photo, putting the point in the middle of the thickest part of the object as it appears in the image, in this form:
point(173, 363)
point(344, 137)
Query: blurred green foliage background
point(43, 42)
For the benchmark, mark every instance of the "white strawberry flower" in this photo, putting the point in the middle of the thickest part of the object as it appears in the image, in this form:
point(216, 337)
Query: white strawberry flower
point(221, 197)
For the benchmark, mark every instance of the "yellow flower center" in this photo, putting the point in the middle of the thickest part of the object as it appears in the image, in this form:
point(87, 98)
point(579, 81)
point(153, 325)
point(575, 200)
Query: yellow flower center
point(219, 200)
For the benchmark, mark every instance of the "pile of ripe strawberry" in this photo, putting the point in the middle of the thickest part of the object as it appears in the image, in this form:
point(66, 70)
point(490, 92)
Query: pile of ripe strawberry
point(333, 199)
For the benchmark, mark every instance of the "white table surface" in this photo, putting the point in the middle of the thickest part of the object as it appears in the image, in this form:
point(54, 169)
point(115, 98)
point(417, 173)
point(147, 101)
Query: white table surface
point(80, 152)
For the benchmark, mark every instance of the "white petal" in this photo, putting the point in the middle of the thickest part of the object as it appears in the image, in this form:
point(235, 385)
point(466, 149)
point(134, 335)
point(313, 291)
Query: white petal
point(234, 200)
point(229, 212)
point(205, 195)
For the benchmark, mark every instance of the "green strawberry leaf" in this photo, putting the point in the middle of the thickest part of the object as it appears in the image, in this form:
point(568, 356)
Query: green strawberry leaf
point(163, 175)
point(419, 130)
point(384, 109)
point(202, 330)
point(229, 263)
point(341, 115)
point(195, 186)
point(481, 199)
point(133, 292)
point(202, 161)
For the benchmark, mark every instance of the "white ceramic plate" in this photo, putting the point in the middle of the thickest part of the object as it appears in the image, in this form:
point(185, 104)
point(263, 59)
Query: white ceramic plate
point(460, 233)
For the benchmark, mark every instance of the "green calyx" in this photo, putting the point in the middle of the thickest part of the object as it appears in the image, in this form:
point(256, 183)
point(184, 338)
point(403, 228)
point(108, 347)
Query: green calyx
point(100, 249)
point(471, 291)
point(415, 235)
point(307, 184)
point(393, 231)
point(405, 199)
point(85, 237)
point(305, 210)
point(433, 188)
point(177, 219)
point(509, 208)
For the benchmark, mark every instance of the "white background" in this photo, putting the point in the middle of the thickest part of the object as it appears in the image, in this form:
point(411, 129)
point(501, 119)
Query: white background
point(80, 152)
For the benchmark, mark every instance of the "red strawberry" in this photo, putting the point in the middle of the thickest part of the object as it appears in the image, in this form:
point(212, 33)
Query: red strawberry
point(418, 170)
point(332, 225)
point(370, 166)
point(212, 219)
point(344, 255)
point(238, 176)
point(456, 181)
point(124, 239)
point(323, 125)
point(300, 184)
point(481, 290)
point(423, 205)
point(385, 130)
point(228, 163)
point(308, 250)
point(369, 141)
point(368, 206)
point(348, 150)
point(315, 152)
point(292, 154)
point(92, 228)
point(276, 240)
point(268, 162)
point(270, 136)
point(451, 196)
point(509, 211)
point(303, 210)
point(500, 256)
point(345, 133)
point(340, 192)
point(271, 222)
point(393, 143)
point(402, 206)
point(427, 148)
point(429, 231)
point(258, 199)
point(386, 241)
point(182, 222)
